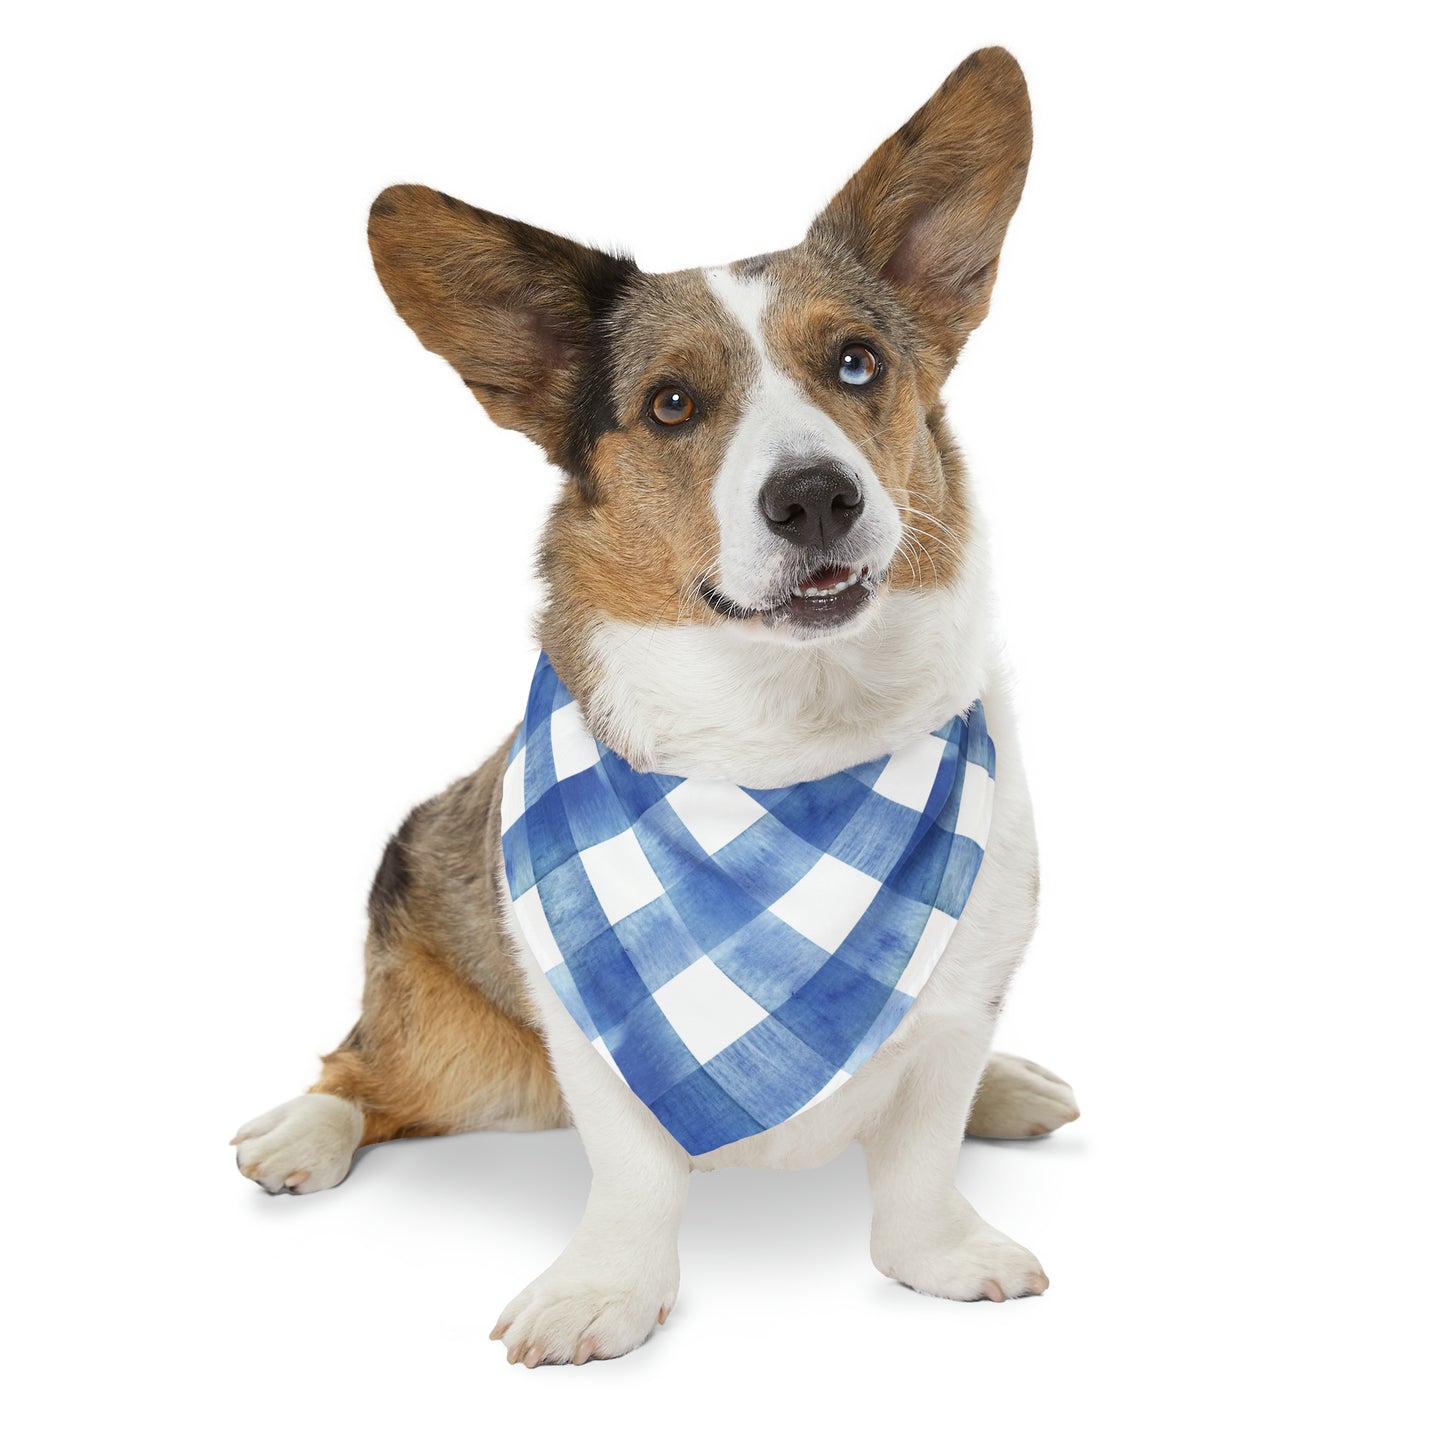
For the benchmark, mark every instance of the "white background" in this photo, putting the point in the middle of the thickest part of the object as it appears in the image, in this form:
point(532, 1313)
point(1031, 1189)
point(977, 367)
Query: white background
point(265, 586)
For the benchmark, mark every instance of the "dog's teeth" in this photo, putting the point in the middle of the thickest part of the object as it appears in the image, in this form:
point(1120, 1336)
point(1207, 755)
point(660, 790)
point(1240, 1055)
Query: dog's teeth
point(850, 580)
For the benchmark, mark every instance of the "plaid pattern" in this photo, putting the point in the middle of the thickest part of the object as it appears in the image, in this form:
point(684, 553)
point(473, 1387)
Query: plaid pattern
point(737, 953)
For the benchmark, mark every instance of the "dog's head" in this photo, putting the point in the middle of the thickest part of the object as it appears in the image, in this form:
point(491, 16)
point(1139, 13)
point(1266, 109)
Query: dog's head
point(758, 446)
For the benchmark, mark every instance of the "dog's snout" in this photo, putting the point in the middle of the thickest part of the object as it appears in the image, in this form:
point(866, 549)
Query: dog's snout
point(811, 503)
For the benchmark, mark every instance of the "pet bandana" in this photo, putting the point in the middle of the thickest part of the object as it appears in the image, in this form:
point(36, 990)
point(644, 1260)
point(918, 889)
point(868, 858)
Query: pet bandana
point(736, 954)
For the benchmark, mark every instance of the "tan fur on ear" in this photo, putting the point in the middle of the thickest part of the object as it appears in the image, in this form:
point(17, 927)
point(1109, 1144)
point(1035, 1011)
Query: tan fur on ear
point(517, 311)
point(928, 210)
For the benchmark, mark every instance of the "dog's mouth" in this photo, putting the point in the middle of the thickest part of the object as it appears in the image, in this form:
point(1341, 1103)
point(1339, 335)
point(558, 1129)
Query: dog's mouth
point(817, 602)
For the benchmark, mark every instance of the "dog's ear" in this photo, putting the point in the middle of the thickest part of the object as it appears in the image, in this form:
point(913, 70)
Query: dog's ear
point(516, 310)
point(928, 211)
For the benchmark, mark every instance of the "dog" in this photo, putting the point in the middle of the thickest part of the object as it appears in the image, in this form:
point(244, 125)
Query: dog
point(763, 573)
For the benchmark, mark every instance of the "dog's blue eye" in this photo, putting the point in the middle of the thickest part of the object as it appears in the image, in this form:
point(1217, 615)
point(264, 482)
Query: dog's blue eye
point(857, 366)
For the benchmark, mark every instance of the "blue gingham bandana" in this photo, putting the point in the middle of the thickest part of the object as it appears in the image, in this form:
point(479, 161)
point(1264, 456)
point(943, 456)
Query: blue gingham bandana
point(736, 954)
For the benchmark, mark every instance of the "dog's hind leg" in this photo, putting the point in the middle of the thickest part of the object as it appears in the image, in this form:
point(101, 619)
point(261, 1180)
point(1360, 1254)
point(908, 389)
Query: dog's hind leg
point(431, 1054)
point(1017, 1099)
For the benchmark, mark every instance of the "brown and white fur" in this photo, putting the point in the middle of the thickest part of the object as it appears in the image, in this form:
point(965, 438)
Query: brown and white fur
point(677, 563)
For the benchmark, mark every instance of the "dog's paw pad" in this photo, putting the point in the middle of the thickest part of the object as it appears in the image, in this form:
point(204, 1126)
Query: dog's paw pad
point(301, 1146)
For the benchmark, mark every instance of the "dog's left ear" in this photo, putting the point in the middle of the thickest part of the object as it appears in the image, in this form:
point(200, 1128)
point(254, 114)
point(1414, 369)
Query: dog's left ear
point(928, 211)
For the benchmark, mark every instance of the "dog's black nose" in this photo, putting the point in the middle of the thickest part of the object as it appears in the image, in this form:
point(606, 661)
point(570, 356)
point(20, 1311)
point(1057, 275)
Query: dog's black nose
point(811, 503)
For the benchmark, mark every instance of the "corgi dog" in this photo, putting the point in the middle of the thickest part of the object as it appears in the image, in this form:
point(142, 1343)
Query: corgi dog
point(763, 572)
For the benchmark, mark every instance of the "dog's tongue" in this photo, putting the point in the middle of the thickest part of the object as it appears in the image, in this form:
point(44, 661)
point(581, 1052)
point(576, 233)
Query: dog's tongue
point(828, 577)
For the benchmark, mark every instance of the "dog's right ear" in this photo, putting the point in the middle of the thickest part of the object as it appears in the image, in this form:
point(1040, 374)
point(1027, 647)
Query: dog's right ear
point(515, 309)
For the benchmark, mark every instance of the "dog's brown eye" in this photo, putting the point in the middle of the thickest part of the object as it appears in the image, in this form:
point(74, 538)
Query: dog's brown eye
point(671, 405)
point(857, 366)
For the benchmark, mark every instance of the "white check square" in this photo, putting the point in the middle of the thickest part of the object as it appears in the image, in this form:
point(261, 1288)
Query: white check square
point(513, 791)
point(926, 953)
point(620, 875)
point(707, 1009)
point(574, 749)
point(827, 901)
point(714, 813)
point(908, 776)
point(536, 931)
point(976, 804)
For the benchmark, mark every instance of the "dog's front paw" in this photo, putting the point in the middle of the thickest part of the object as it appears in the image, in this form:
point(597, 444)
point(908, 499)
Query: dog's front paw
point(301, 1146)
point(576, 1312)
point(1018, 1099)
point(979, 1264)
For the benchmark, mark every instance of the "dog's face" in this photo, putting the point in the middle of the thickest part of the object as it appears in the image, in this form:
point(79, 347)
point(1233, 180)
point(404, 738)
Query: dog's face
point(758, 446)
